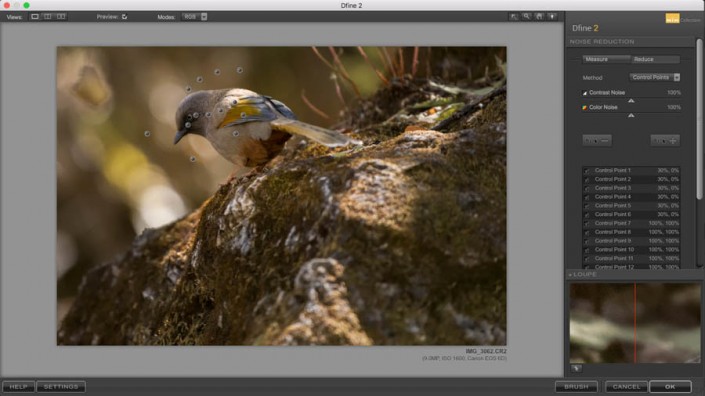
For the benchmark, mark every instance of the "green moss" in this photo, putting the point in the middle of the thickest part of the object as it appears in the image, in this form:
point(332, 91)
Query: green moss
point(495, 112)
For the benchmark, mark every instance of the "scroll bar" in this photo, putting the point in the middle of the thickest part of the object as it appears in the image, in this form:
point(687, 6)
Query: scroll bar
point(700, 205)
point(699, 117)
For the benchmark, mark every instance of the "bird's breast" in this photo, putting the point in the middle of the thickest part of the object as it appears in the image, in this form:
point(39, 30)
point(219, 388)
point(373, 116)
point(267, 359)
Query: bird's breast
point(239, 143)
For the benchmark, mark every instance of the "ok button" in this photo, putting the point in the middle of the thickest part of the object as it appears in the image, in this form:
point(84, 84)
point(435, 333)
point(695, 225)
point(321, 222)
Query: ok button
point(670, 386)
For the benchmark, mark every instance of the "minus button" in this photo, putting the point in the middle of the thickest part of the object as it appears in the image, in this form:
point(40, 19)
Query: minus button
point(597, 140)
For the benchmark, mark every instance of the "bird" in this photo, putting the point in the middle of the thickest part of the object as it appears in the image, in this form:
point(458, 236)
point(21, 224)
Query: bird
point(246, 128)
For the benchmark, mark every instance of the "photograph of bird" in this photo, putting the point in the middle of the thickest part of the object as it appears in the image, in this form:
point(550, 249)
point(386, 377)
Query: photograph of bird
point(246, 128)
point(328, 195)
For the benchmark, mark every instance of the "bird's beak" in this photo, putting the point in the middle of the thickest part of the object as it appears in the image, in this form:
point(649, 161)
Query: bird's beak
point(180, 134)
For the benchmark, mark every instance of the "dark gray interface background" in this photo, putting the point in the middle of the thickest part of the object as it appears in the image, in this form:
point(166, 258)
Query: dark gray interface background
point(28, 204)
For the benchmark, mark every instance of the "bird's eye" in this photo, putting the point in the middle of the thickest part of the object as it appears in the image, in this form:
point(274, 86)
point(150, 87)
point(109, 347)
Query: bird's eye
point(187, 125)
point(234, 102)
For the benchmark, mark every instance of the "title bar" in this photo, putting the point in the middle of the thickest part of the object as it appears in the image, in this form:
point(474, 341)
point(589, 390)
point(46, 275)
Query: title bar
point(358, 5)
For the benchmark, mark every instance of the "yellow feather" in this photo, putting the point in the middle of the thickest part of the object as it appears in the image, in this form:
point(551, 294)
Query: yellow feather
point(234, 114)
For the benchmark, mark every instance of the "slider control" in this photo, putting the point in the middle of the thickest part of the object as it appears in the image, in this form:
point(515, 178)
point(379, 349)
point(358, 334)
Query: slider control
point(699, 117)
point(700, 209)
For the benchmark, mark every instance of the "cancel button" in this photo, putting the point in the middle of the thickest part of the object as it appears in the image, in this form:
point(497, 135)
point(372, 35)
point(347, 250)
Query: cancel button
point(626, 386)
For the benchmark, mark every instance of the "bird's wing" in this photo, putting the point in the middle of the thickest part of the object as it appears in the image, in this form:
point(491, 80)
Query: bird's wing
point(323, 136)
point(247, 109)
point(263, 108)
point(253, 108)
point(282, 108)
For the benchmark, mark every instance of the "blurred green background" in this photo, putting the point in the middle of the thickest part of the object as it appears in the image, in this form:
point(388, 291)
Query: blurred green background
point(118, 170)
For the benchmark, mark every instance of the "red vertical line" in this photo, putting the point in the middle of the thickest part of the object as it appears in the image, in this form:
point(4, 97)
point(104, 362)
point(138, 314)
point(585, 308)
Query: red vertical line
point(634, 322)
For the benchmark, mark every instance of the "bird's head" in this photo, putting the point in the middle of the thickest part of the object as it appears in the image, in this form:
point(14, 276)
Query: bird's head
point(191, 114)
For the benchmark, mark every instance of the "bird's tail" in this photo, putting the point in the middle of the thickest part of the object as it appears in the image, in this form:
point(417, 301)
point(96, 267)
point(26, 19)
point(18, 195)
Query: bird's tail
point(321, 135)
